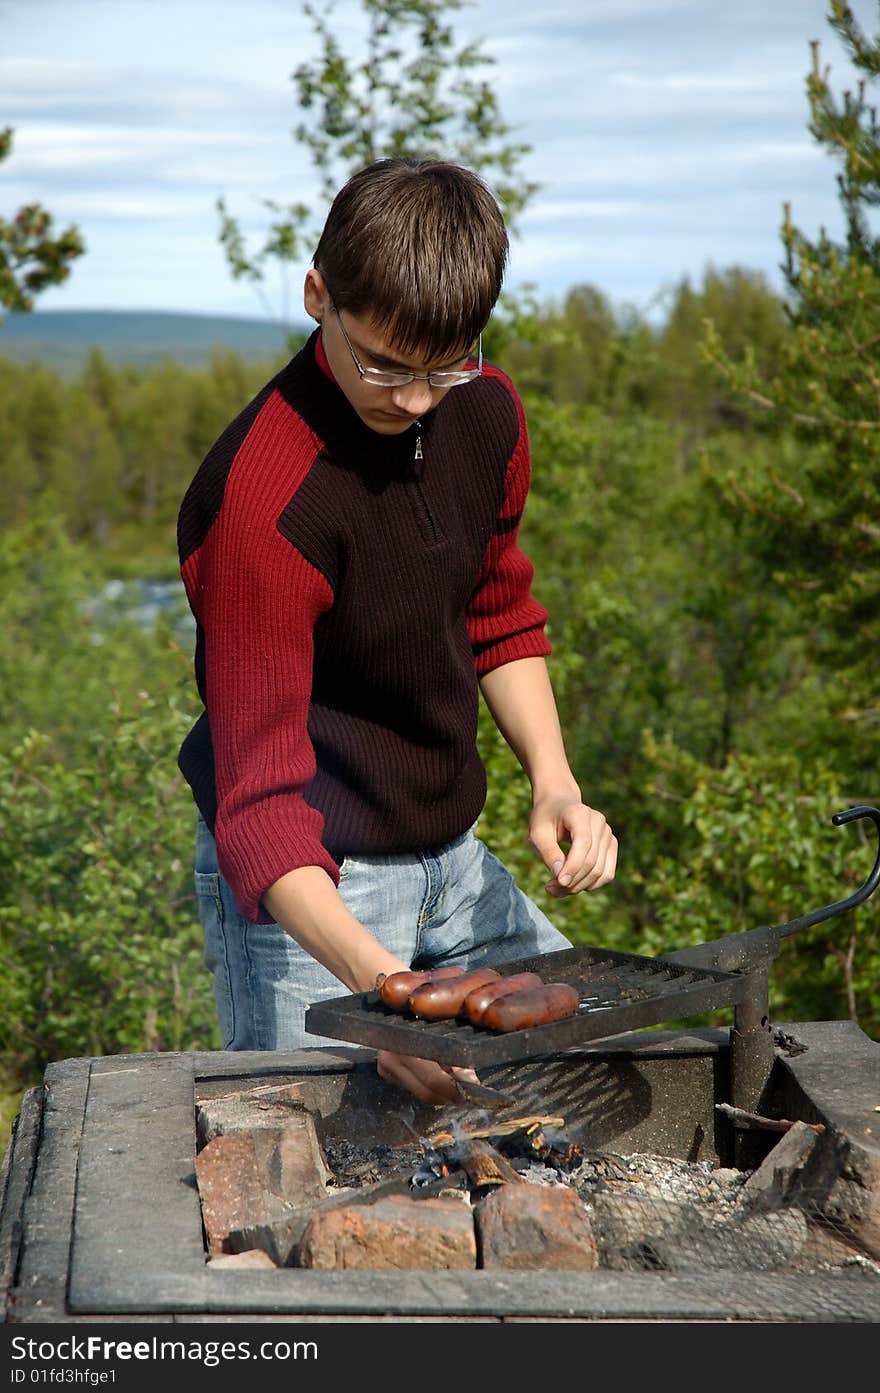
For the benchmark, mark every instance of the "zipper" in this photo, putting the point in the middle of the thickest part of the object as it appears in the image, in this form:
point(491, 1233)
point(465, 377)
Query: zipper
point(431, 531)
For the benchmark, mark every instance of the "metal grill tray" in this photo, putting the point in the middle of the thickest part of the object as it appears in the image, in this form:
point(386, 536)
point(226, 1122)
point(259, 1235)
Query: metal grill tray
point(618, 992)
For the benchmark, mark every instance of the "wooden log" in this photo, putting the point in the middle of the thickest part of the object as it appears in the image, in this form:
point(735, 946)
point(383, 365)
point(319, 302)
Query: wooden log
point(752, 1121)
point(500, 1129)
point(482, 1164)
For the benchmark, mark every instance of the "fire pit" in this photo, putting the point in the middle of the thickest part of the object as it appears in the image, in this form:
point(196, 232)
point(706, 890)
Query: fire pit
point(616, 991)
point(639, 1138)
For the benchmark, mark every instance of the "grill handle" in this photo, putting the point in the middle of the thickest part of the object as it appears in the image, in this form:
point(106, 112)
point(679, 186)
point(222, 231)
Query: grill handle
point(756, 948)
point(805, 921)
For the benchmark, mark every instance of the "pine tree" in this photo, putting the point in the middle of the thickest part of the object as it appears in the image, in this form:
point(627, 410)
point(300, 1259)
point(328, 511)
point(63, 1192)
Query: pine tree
point(819, 509)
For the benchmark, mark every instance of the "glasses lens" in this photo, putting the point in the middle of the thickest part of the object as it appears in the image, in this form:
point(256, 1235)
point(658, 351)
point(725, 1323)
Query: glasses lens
point(386, 379)
point(453, 379)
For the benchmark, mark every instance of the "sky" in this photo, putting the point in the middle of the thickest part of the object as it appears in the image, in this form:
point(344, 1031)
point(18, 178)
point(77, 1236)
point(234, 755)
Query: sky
point(665, 136)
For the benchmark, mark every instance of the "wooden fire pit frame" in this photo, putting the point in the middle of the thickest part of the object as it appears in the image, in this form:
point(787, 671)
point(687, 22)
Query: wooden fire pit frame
point(101, 1217)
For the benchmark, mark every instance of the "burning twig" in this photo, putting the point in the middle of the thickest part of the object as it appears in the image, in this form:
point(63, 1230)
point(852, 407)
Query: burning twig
point(500, 1129)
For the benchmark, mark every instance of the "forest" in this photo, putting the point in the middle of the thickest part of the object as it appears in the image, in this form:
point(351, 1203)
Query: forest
point(704, 522)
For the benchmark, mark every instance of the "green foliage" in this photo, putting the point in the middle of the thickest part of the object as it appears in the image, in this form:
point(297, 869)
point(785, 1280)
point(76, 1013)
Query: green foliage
point(114, 448)
point(816, 512)
point(98, 922)
point(31, 256)
point(414, 93)
point(756, 846)
point(585, 350)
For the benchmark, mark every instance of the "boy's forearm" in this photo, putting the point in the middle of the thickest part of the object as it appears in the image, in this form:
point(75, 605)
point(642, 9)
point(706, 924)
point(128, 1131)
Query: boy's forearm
point(521, 701)
point(520, 698)
point(306, 903)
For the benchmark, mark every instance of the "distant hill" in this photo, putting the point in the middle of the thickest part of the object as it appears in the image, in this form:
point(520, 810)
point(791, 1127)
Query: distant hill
point(63, 339)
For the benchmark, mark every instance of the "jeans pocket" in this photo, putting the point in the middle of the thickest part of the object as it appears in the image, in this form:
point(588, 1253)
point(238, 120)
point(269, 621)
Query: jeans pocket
point(212, 917)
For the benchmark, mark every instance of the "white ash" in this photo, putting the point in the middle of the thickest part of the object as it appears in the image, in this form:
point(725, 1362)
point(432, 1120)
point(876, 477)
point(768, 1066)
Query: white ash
point(713, 1190)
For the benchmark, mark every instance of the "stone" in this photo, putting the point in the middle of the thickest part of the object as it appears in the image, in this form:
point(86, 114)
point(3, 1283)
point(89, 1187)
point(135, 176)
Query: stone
point(392, 1233)
point(262, 1159)
point(291, 1161)
point(230, 1187)
point(841, 1183)
point(761, 1243)
point(623, 1224)
point(247, 1110)
point(531, 1227)
point(825, 1249)
point(277, 1238)
point(254, 1257)
point(771, 1184)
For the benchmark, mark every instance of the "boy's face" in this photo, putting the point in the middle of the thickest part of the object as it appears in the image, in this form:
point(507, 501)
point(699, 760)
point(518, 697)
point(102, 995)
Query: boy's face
point(386, 410)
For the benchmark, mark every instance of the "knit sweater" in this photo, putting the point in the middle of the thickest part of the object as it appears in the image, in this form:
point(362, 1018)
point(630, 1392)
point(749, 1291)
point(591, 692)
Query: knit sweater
point(347, 596)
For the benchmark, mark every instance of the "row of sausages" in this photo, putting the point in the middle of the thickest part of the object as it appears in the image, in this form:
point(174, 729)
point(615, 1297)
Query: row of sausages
point(481, 996)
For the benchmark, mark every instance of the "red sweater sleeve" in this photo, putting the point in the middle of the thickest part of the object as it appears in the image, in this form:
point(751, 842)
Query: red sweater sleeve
point(257, 600)
point(504, 620)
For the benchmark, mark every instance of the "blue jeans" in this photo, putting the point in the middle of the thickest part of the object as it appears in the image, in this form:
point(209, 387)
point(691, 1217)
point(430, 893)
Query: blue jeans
point(456, 904)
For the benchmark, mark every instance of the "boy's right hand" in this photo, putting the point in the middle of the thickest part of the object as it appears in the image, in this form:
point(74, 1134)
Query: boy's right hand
point(423, 1078)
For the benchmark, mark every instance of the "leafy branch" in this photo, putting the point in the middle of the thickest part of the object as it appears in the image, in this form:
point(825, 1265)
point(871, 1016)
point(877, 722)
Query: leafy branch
point(32, 257)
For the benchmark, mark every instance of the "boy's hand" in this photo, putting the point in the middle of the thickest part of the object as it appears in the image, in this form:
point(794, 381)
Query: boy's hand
point(591, 860)
point(426, 1080)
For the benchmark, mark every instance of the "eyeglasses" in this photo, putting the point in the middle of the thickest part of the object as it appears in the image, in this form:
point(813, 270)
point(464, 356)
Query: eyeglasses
point(379, 377)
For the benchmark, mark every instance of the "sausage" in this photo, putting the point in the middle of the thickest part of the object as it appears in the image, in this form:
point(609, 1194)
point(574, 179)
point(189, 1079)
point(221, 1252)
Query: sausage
point(477, 1000)
point(534, 1006)
point(395, 988)
point(437, 1001)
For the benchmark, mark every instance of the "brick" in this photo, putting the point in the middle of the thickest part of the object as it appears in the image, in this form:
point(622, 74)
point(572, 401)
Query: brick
point(230, 1188)
point(394, 1233)
point(527, 1227)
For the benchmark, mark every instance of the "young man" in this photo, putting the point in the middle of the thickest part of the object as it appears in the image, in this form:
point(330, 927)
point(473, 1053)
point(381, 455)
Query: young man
point(349, 550)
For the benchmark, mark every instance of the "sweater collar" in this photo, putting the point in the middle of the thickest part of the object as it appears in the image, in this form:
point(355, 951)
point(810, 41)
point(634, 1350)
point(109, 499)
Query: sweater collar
point(307, 383)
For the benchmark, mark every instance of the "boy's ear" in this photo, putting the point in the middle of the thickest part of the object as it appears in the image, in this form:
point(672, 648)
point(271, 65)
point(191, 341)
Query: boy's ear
point(316, 297)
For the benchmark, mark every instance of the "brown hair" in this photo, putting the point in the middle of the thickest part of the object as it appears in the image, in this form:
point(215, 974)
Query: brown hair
point(421, 246)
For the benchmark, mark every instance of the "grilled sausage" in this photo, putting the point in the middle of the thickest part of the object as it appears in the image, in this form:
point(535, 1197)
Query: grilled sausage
point(534, 1006)
point(477, 1000)
point(437, 1001)
point(396, 988)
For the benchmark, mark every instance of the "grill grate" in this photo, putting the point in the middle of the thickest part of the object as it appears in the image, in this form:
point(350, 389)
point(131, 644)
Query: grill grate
point(618, 992)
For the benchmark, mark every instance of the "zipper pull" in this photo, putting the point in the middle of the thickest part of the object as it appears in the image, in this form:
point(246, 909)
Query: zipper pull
point(418, 453)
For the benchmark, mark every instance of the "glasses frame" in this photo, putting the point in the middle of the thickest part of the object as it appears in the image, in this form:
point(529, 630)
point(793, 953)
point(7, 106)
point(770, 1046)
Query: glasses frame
point(383, 377)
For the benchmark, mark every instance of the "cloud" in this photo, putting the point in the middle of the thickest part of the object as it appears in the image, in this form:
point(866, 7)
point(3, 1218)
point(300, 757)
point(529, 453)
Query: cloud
point(663, 133)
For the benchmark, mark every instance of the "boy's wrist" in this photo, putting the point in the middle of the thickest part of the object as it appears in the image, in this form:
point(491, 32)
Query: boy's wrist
point(558, 787)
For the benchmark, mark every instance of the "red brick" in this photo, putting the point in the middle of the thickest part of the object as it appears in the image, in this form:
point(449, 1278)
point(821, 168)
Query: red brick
point(528, 1227)
point(393, 1233)
point(230, 1188)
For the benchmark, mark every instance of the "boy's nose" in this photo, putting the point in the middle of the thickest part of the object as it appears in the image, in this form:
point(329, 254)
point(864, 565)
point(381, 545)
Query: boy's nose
point(414, 398)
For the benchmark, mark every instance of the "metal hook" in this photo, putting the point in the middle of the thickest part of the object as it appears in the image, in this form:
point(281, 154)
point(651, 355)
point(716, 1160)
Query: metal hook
point(840, 906)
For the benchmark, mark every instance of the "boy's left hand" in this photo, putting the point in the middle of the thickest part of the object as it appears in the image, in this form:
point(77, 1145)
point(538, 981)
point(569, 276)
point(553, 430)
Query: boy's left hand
point(591, 859)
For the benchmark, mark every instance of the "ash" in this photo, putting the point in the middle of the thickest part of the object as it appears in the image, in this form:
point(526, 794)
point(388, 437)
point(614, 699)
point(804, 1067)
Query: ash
point(353, 1163)
point(712, 1190)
